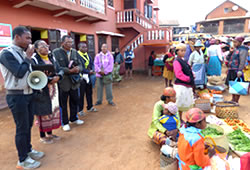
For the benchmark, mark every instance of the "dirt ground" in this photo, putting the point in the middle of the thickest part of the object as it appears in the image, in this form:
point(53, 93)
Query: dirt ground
point(115, 138)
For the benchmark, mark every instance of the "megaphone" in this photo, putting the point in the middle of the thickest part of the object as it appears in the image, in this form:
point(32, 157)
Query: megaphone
point(37, 80)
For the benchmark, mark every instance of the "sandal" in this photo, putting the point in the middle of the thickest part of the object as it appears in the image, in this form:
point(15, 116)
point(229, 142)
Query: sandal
point(46, 140)
point(54, 137)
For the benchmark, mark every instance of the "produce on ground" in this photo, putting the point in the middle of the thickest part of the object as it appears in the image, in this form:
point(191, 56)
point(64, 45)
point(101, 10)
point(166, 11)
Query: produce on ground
point(236, 123)
point(239, 141)
point(211, 132)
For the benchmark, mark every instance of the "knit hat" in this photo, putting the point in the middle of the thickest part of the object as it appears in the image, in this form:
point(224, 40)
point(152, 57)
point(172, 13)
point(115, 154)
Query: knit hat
point(194, 115)
point(169, 91)
point(172, 107)
point(239, 39)
point(180, 46)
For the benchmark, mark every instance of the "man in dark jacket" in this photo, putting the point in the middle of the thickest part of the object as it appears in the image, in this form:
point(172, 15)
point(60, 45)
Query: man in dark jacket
point(86, 84)
point(70, 62)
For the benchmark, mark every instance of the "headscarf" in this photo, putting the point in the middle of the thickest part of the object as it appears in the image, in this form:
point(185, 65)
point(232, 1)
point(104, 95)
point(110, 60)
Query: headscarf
point(169, 91)
point(194, 115)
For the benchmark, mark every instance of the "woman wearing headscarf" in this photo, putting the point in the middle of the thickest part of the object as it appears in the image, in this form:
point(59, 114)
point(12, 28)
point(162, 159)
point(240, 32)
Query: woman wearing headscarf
point(46, 100)
point(156, 130)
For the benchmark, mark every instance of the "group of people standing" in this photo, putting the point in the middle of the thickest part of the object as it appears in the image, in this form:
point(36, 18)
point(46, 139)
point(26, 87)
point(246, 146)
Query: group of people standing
point(68, 82)
point(207, 60)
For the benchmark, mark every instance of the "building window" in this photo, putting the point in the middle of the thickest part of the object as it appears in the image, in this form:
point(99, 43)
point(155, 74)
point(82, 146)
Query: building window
point(115, 43)
point(111, 3)
point(102, 39)
point(148, 10)
point(129, 4)
point(226, 10)
point(234, 26)
point(211, 27)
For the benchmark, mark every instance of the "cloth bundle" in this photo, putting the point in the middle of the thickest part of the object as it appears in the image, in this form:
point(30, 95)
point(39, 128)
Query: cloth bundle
point(216, 80)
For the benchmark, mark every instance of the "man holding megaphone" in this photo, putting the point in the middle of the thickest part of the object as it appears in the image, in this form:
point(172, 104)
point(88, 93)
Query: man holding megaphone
point(15, 67)
point(70, 62)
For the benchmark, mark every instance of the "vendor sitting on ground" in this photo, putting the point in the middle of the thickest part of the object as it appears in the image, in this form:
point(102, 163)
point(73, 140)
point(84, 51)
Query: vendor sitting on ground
point(156, 131)
point(191, 146)
point(169, 119)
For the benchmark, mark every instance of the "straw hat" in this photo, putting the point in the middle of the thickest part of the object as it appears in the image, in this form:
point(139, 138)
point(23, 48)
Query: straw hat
point(180, 46)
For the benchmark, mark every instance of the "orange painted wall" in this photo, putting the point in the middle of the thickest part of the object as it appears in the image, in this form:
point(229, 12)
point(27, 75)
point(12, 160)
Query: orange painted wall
point(219, 12)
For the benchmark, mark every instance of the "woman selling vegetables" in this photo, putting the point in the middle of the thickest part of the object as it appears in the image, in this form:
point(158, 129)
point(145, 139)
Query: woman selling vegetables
point(191, 147)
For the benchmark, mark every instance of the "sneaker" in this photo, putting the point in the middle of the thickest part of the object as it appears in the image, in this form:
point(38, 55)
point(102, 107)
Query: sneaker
point(78, 122)
point(98, 103)
point(112, 104)
point(81, 113)
point(36, 154)
point(92, 110)
point(46, 140)
point(28, 163)
point(66, 127)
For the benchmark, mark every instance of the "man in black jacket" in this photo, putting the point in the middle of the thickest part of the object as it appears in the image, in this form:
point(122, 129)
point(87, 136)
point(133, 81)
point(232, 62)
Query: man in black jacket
point(70, 62)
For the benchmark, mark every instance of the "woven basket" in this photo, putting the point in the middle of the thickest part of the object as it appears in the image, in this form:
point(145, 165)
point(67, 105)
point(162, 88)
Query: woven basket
point(227, 109)
point(203, 104)
point(167, 163)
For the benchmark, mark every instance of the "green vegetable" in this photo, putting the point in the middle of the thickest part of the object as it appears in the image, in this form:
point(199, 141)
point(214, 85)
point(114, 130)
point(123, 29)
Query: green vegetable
point(239, 141)
point(211, 132)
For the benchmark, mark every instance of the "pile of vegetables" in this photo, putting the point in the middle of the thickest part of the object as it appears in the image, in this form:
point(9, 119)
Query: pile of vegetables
point(211, 132)
point(239, 141)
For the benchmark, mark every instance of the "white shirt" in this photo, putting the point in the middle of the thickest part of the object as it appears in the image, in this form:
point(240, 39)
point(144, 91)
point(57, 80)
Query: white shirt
point(195, 57)
point(215, 50)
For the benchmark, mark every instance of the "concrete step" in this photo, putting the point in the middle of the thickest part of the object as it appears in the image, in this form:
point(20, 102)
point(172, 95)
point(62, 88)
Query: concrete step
point(3, 103)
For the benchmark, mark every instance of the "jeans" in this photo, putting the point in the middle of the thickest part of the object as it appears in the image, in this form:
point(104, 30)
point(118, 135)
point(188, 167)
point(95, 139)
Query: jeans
point(22, 111)
point(108, 89)
point(85, 88)
point(73, 104)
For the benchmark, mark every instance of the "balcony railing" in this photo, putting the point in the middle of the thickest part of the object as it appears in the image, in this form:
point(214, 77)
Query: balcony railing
point(133, 16)
point(159, 34)
point(96, 5)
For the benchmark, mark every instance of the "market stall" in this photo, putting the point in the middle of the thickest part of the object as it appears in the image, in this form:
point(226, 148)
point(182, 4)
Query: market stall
point(225, 132)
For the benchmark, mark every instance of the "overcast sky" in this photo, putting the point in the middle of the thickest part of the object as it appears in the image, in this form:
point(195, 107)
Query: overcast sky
point(190, 11)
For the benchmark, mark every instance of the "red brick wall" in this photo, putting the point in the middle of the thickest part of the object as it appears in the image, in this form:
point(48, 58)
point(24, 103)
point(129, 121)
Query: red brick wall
point(219, 12)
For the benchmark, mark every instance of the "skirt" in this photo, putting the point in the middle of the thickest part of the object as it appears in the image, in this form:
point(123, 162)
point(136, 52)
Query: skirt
point(159, 138)
point(168, 74)
point(53, 121)
point(200, 74)
point(246, 72)
point(214, 66)
point(184, 97)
